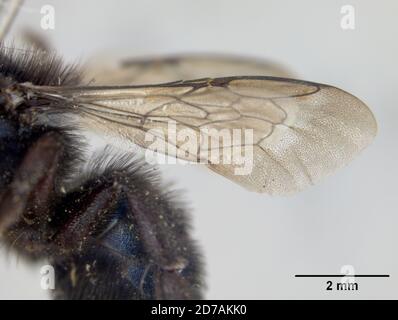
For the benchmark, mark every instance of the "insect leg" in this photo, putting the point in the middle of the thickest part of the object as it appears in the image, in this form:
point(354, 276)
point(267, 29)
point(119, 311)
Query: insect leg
point(30, 192)
point(167, 245)
point(9, 10)
point(89, 214)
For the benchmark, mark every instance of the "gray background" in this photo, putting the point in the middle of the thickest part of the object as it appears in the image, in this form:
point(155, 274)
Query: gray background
point(254, 244)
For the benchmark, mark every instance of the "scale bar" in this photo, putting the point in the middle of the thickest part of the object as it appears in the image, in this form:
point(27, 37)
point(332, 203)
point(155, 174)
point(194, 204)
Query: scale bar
point(342, 275)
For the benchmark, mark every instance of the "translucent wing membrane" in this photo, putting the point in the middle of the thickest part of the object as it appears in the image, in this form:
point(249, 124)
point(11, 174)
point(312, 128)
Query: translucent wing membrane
point(178, 67)
point(267, 134)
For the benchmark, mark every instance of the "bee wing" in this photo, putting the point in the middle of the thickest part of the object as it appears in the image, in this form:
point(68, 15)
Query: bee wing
point(178, 67)
point(301, 131)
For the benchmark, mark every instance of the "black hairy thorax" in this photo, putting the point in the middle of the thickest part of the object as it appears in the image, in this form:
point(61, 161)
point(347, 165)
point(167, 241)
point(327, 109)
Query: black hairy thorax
point(117, 235)
point(16, 130)
point(18, 66)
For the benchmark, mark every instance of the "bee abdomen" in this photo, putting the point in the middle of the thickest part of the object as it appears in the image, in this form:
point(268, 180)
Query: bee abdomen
point(138, 247)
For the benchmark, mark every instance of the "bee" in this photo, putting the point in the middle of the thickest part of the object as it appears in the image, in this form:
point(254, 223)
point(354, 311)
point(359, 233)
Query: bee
point(114, 231)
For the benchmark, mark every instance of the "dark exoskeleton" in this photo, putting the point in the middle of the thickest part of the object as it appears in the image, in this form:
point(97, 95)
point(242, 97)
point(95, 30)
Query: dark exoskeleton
point(115, 236)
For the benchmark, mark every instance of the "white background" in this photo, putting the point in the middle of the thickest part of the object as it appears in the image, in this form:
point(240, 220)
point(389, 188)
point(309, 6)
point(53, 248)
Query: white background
point(255, 244)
